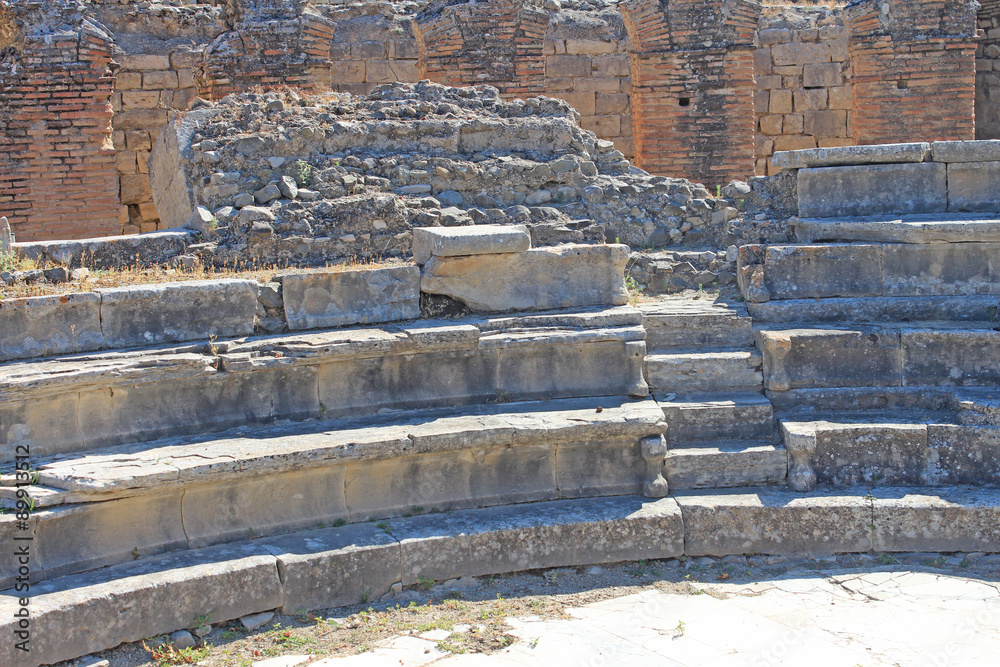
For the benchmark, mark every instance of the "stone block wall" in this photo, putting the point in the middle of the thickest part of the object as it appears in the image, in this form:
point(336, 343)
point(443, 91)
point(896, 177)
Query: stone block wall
point(57, 165)
point(988, 71)
point(913, 69)
point(148, 88)
point(803, 97)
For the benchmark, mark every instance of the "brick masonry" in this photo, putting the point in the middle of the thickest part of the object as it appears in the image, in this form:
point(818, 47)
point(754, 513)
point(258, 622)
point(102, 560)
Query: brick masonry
point(913, 69)
point(693, 86)
point(751, 86)
point(57, 165)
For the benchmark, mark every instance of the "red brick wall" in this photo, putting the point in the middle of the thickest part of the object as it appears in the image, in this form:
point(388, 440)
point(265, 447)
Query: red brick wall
point(497, 43)
point(914, 74)
point(267, 53)
point(693, 87)
point(58, 177)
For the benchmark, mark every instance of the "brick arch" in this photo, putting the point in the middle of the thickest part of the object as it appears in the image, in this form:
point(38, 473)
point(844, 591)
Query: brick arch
point(914, 69)
point(693, 86)
point(498, 43)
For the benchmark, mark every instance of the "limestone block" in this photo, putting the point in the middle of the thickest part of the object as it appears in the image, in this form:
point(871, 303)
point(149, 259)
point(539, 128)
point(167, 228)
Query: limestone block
point(940, 269)
point(89, 535)
point(470, 240)
point(861, 357)
point(555, 534)
point(972, 186)
point(774, 522)
point(951, 357)
point(86, 613)
point(946, 520)
point(110, 251)
point(543, 278)
point(966, 151)
point(961, 454)
point(245, 507)
point(340, 298)
point(852, 155)
point(849, 454)
point(168, 179)
point(166, 312)
point(800, 53)
point(872, 189)
point(46, 325)
point(822, 75)
point(591, 369)
point(335, 566)
point(818, 271)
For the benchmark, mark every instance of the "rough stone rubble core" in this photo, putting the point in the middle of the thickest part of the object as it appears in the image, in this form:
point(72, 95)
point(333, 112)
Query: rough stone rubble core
point(294, 179)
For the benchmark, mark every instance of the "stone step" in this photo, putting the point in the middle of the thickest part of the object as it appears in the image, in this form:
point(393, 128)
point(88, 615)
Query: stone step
point(82, 402)
point(847, 520)
point(918, 228)
point(979, 406)
point(672, 322)
point(877, 449)
point(891, 355)
point(716, 417)
point(702, 371)
point(879, 309)
point(815, 404)
point(203, 490)
point(325, 568)
point(718, 464)
point(779, 272)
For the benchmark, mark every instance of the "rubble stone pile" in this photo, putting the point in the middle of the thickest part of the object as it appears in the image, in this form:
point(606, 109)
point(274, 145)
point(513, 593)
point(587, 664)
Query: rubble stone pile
point(282, 177)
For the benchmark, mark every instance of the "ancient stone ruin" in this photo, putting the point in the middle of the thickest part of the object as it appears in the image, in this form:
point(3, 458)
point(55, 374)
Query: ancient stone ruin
point(431, 290)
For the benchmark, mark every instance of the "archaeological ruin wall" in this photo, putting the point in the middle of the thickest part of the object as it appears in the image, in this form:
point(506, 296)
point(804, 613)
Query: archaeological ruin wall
point(706, 91)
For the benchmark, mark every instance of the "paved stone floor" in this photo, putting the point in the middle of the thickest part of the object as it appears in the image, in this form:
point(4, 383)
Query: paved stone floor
point(859, 618)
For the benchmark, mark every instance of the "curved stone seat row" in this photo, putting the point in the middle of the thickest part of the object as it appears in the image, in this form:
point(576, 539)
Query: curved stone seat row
point(204, 490)
point(335, 566)
point(77, 403)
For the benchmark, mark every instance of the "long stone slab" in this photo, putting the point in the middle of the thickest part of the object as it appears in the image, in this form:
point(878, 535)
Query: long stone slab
point(878, 309)
point(951, 356)
point(341, 298)
point(553, 534)
point(111, 252)
point(48, 325)
point(171, 312)
point(851, 155)
point(931, 228)
point(470, 240)
point(774, 521)
point(538, 279)
point(940, 269)
point(690, 372)
point(965, 151)
point(819, 271)
point(878, 189)
point(916, 519)
point(82, 614)
point(688, 323)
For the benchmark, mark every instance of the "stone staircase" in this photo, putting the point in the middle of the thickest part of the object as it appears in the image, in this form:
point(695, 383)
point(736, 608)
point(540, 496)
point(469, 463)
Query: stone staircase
point(706, 376)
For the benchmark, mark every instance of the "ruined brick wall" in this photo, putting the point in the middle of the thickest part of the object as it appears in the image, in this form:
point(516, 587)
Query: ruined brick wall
point(913, 64)
point(57, 165)
point(803, 97)
point(693, 86)
point(497, 43)
point(988, 71)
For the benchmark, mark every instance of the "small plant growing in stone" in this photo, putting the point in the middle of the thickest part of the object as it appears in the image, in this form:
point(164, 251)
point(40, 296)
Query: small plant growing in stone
point(302, 173)
point(425, 582)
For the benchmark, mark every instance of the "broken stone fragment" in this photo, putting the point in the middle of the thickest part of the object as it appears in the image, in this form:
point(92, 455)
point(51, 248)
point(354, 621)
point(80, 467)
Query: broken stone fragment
point(6, 236)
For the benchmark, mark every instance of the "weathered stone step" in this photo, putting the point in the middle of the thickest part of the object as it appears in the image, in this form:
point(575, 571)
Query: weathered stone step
point(878, 309)
point(326, 568)
point(859, 450)
point(84, 402)
point(918, 228)
point(719, 464)
point(820, 403)
point(716, 417)
point(692, 371)
point(672, 322)
point(980, 406)
point(868, 269)
point(848, 520)
point(205, 490)
point(899, 355)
